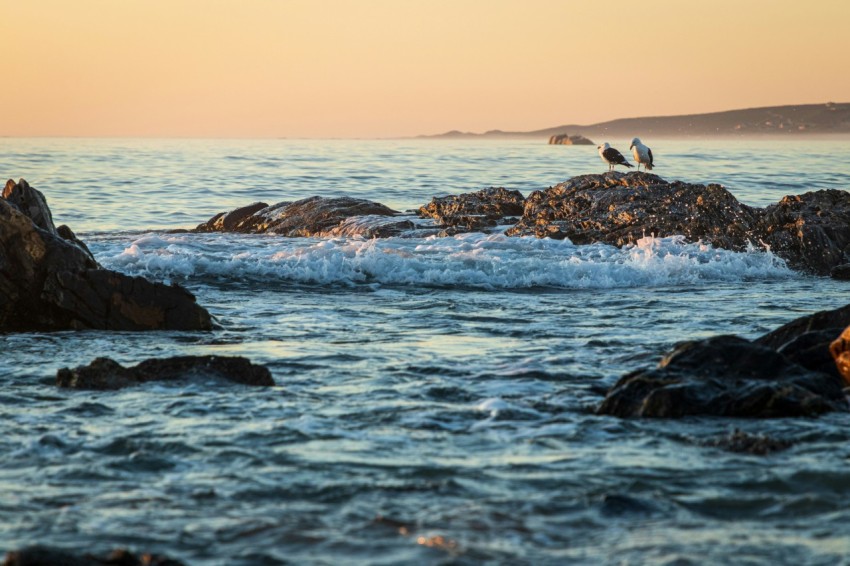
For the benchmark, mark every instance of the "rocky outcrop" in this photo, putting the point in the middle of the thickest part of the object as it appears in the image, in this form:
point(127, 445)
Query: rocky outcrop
point(725, 376)
point(566, 139)
point(47, 556)
point(810, 231)
point(49, 280)
point(107, 374)
point(314, 216)
point(474, 211)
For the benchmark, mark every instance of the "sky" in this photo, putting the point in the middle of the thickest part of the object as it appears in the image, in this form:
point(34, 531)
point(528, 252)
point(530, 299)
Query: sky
point(388, 68)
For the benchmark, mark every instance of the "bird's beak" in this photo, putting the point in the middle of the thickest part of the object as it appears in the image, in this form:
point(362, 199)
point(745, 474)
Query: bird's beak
point(632, 146)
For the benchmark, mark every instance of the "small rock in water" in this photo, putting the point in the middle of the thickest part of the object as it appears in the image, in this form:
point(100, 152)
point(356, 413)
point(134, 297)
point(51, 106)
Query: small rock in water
point(107, 374)
point(724, 376)
point(758, 444)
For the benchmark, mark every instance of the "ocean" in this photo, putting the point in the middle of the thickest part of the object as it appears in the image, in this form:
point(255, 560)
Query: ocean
point(434, 398)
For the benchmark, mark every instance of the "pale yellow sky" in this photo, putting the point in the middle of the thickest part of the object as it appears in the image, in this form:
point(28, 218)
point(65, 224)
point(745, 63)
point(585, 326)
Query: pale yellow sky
point(379, 68)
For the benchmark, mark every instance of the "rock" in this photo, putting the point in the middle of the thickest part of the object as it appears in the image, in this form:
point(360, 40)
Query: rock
point(835, 321)
point(30, 202)
point(49, 280)
point(724, 376)
point(620, 209)
point(565, 139)
point(314, 216)
point(107, 374)
point(811, 232)
point(839, 349)
point(474, 211)
point(743, 442)
point(841, 272)
point(46, 556)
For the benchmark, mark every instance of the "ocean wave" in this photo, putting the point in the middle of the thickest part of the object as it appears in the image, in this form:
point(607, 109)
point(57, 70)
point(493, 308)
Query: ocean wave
point(481, 261)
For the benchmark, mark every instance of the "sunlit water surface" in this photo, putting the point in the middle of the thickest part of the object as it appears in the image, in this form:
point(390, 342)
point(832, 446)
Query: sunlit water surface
point(435, 397)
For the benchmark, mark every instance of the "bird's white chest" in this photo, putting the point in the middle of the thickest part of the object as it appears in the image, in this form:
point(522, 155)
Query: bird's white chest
point(641, 153)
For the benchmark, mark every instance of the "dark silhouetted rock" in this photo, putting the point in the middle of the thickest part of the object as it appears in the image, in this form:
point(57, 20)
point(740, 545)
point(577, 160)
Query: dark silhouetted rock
point(841, 272)
point(811, 232)
point(105, 373)
point(46, 556)
point(835, 320)
point(49, 280)
point(474, 211)
point(724, 376)
point(314, 216)
point(743, 442)
point(565, 139)
point(30, 202)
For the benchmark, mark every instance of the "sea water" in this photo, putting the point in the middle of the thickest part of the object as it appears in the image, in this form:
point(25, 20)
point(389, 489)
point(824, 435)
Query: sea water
point(434, 398)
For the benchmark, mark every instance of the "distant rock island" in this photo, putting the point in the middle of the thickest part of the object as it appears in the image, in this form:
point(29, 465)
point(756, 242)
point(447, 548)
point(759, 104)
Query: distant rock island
point(566, 139)
point(801, 119)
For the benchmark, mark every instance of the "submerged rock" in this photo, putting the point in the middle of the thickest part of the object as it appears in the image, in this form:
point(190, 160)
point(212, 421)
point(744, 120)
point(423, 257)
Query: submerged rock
point(47, 556)
point(474, 211)
point(744, 442)
point(725, 376)
point(106, 373)
point(314, 216)
point(49, 280)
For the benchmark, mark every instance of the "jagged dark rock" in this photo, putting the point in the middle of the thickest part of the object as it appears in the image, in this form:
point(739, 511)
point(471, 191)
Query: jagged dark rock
point(725, 376)
point(835, 320)
point(474, 211)
point(314, 216)
point(619, 209)
point(49, 279)
point(46, 556)
point(107, 374)
point(811, 232)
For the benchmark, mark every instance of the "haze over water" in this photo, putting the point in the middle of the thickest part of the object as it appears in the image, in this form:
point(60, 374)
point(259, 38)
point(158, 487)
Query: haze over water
point(434, 399)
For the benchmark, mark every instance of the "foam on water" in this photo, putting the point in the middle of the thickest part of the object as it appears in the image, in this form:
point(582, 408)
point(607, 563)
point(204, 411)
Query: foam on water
point(479, 261)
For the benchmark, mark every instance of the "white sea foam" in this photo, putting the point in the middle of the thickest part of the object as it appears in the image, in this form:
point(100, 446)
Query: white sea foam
point(470, 260)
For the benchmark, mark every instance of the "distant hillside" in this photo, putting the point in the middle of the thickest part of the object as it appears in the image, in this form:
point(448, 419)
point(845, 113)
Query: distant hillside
point(829, 118)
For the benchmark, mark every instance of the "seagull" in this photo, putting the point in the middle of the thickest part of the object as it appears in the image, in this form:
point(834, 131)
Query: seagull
point(611, 156)
point(642, 154)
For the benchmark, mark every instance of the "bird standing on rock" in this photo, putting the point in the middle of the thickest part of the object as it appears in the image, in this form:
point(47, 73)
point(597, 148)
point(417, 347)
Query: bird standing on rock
point(642, 154)
point(611, 156)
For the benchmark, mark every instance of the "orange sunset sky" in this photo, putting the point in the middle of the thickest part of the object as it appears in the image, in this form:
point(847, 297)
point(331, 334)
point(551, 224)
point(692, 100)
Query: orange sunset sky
point(382, 68)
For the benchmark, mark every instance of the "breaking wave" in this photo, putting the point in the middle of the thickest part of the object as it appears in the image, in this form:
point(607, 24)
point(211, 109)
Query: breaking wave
point(477, 260)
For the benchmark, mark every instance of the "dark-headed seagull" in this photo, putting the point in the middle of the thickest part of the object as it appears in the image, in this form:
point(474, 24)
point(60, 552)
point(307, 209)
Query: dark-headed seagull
point(611, 156)
point(642, 154)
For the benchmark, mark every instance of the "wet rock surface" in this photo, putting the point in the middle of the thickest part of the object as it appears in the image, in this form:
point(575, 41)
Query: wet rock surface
point(725, 376)
point(810, 231)
point(49, 280)
point(474, 211)
point(314, 216)
point(107, 374)
point(47, 556)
